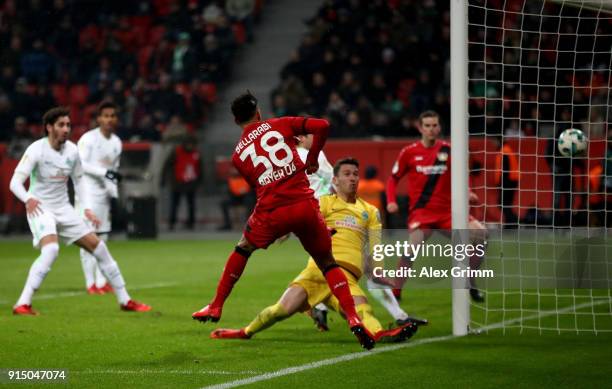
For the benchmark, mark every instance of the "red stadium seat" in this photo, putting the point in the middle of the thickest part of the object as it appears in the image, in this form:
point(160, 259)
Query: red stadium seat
point(144, 54)
point(60, 93)
point(404, 90)
point(156, 34)
point(78, 94)
point(184, 90)
point(239, 33)
point(208, 91)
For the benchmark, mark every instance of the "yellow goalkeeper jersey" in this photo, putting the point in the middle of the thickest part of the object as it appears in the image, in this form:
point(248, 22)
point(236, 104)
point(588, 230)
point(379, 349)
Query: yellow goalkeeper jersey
point(358, 229)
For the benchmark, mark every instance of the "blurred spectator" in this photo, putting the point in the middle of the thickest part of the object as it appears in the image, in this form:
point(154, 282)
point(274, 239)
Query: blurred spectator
point(176, 131)
point(103, 75)
point(239, 193)
point(242, 11)
point(185, 167)
point(21, 138)
point(22, 100)
point(41, 101)
point(161, 59)
point(372, 189)
point(507, 178)
point(165, 102)
point(184, 62)
point(6, 117)
point(37, 64)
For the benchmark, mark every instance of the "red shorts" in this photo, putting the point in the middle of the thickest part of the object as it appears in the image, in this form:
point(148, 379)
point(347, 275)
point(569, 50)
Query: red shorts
point(425, 219)
point(303, 219)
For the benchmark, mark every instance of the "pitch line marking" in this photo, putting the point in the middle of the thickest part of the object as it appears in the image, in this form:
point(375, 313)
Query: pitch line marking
point(363, 354)
point(178, 372)
point(52, 296)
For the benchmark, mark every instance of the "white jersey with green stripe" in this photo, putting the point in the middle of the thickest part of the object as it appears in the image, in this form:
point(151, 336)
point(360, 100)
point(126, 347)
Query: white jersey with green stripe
point(49, 171)
point(321, 180)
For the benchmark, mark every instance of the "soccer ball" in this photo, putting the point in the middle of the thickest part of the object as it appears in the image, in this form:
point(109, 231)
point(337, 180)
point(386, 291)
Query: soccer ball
point(572, 142)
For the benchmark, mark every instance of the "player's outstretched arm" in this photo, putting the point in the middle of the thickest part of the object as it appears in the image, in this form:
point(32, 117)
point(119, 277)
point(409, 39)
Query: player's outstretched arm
point(392, 194)
point(319, 128)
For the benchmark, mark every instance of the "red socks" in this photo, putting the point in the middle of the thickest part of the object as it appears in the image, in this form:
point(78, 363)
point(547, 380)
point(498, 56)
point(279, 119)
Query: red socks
point(339, 286)
point(231, 274)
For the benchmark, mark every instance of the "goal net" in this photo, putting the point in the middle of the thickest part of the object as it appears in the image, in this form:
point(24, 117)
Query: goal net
point(536, 68)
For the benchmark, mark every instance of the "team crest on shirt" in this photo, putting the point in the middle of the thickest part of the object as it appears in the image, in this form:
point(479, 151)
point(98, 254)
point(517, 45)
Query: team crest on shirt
point(418, 158)
point(442, 156)
point(365, 215)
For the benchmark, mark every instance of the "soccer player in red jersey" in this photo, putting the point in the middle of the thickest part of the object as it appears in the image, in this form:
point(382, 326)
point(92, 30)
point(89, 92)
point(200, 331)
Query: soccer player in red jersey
point(427, 164)
point(267, 158)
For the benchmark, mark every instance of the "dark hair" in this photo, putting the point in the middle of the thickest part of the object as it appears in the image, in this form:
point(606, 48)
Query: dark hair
point(244, 107)
point(428, 114)
point(344, 161)
point(371, 172)
point(52, 115)
point(106, 105)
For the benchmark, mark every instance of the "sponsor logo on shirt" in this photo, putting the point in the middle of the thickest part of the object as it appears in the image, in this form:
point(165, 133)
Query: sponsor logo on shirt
point(418, 158)
point(431, 169)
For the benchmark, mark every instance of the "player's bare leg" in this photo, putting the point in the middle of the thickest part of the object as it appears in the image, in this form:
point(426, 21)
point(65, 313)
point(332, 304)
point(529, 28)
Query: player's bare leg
point(231, 274)
point(110, 269)
point(49, 249)
point(416, 236)
point(291, 301)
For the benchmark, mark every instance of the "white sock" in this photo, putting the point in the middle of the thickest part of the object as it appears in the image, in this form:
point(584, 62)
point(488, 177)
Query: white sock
point(99, 278)
point(111, 271)
point(387, 299)
point(38, 272)
point(321, 307)
point(89, 267)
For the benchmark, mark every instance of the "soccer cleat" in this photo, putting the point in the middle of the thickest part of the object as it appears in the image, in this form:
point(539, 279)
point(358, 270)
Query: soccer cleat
point(24, 309)
point(476, 295)
point(94, 290)
point(366, 339)
point(228, 333)
point(207, 313)
point(398, 334)
point(107, 288)
point(320, 318)
point(135, 306)
point(397, 293)
point(410, 319)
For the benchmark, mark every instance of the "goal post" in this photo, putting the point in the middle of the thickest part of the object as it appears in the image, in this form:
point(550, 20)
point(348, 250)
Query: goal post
point(459, 152)
point(521, 72)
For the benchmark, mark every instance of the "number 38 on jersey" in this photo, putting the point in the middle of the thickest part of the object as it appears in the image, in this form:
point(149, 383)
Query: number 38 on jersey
point(275, 156)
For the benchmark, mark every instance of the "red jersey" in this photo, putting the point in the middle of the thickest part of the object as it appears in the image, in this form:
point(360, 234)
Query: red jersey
point(267, 158)
point(429, 180)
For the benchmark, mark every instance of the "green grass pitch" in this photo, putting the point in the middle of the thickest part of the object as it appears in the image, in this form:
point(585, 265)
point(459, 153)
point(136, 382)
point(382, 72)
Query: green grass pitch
point(104, 347)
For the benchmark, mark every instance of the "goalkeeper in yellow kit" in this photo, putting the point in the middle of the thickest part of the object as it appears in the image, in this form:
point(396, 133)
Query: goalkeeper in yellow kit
point(357, 225)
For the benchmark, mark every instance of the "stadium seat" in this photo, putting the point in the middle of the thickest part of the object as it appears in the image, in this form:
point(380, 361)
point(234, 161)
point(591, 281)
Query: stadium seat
point(60, 93)
point(239, 33)
point(208, 91)
point(156, 34)
point(78, 94)
point(144, 54)
point(184, 90)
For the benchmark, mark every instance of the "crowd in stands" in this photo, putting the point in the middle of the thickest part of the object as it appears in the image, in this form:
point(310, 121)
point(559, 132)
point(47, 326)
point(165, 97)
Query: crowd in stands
point(537, 75)
point(371, 66)
point(160, 60)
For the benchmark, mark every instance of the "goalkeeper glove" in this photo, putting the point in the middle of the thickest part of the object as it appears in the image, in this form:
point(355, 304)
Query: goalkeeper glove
point(113, 175)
